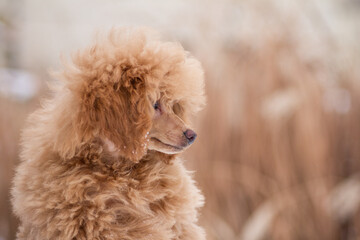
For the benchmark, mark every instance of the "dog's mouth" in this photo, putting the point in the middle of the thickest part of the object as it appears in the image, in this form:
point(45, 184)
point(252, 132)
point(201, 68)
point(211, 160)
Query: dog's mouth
point(165, 147)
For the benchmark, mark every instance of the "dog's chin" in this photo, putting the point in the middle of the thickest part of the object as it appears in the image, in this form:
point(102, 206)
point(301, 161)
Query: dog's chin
point(159, 146)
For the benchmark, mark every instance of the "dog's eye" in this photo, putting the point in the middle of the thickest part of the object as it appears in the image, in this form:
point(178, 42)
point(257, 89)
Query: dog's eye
point(157, 105)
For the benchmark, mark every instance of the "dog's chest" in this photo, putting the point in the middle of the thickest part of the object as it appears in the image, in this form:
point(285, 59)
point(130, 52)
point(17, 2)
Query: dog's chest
point(151, 192)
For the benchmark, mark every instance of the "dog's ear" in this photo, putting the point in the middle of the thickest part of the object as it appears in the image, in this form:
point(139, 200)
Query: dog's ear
point(116, 107)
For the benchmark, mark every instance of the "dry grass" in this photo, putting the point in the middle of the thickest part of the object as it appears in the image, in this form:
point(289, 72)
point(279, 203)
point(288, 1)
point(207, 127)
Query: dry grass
point(279, 143)
point(281, 132)
point(11, 122)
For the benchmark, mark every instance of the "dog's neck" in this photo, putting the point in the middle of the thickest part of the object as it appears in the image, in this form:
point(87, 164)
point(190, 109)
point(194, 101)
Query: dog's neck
point(111, 148)
point(102, 155)
point(116, 152)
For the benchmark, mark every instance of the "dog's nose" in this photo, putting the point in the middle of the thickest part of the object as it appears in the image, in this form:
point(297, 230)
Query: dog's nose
point(190, 135)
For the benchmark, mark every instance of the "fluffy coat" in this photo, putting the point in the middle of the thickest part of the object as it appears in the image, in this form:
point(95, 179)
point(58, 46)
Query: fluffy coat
point(86, 170)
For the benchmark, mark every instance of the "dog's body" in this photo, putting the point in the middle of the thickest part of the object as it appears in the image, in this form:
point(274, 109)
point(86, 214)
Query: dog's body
point(99, 159)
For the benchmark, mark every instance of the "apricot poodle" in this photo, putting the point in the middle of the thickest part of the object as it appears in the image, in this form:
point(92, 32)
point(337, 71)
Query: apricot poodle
point(99, 159)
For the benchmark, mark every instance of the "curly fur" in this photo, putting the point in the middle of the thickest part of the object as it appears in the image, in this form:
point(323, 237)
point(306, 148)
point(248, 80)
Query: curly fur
point(71, 185)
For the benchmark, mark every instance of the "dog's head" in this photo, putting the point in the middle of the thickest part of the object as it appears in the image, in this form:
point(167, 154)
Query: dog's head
point(135, 93)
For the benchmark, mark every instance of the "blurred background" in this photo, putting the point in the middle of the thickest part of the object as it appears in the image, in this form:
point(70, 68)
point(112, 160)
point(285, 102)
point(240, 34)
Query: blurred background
point(278, 153)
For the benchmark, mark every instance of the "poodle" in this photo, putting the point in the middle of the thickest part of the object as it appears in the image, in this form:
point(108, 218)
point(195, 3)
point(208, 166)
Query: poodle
point(100, 158)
